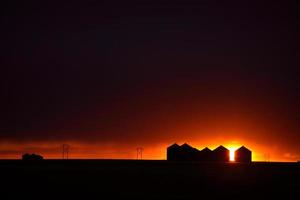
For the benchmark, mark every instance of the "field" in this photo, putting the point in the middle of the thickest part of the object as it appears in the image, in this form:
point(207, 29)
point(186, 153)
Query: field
point(139, 179)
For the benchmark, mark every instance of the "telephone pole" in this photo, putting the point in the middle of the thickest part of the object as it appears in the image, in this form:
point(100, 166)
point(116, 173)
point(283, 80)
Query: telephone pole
point(65, 151)
point(139, 153)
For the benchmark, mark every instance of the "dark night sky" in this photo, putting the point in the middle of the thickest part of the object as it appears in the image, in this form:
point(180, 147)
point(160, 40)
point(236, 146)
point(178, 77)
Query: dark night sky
point(150, 73)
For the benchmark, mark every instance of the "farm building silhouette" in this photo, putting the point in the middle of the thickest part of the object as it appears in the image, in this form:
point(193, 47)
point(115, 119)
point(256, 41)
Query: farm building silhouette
point(186, 152)
point(243, 155)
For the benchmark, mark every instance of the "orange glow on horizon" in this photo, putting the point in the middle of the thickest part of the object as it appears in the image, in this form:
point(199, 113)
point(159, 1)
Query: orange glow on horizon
point(87, 150)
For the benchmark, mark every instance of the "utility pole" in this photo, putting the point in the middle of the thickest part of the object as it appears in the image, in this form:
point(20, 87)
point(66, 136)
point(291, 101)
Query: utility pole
point(139, 153)
point(65, 151)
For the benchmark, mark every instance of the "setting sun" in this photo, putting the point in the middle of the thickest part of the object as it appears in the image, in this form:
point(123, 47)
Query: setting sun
point(232, 154)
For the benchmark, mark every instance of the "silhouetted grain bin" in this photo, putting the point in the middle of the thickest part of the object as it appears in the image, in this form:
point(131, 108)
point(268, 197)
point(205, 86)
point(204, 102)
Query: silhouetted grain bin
point(182, 153)
point(32, 157)
point(173, 153)
point(205, 155)
point(221, 154)
point(185, 152)
point(243, 155)
point(188, 153)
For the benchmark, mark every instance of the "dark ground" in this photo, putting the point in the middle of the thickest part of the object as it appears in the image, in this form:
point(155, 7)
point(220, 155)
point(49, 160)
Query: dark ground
point(107, 179)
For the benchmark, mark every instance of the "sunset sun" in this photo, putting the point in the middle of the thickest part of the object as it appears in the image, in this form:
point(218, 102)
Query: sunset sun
point(232, 154)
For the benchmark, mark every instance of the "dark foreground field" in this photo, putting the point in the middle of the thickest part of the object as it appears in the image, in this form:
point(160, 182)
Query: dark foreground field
point(107, 179)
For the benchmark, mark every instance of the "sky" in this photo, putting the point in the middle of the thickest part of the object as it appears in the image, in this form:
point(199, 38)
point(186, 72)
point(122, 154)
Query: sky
point(108, 77)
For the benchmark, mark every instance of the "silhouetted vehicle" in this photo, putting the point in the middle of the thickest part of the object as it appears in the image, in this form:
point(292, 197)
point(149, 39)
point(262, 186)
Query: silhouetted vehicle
point(221, 154)
point(32, 157)
point(243, 155)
